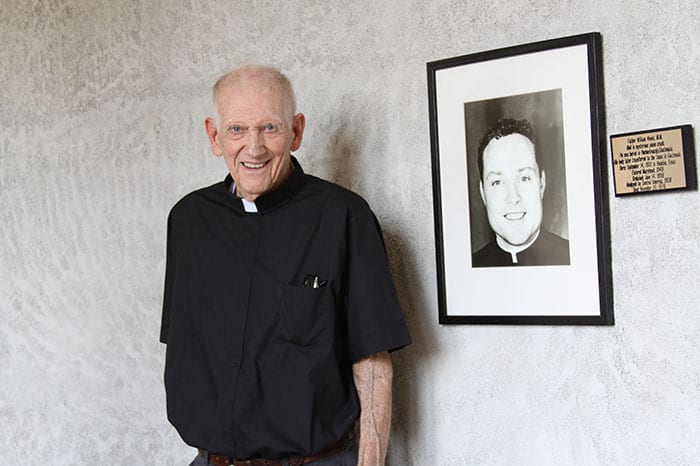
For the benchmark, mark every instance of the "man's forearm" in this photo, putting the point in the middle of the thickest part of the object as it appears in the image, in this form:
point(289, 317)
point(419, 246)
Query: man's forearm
point(372, 376)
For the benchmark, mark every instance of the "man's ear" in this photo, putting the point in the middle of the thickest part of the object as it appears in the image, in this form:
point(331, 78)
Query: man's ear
point(298, 126)
point(212, 133)
point(542, 184)
point(481, 191)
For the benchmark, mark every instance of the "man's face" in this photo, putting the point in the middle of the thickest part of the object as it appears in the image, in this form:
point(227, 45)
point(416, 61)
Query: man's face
point(255, 134)
point(512, 188)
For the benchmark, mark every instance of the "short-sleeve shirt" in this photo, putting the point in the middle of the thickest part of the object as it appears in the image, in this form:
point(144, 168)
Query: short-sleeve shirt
point(265, 313)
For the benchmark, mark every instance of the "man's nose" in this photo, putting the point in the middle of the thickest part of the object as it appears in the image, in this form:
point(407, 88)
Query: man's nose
point(512, 194)
point(255, 144)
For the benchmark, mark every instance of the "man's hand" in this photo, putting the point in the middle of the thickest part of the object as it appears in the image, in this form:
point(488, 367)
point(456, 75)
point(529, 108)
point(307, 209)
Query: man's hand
point(372, 376)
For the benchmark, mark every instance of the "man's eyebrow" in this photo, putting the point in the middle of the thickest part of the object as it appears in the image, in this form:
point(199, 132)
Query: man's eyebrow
point(500, 173)
point(240, 119)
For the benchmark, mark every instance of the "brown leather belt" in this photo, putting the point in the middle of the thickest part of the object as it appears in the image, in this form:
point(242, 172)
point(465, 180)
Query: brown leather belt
point(293, 460)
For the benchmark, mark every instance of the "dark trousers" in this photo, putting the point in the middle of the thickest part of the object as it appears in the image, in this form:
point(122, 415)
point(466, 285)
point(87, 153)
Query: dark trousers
point(344, 458)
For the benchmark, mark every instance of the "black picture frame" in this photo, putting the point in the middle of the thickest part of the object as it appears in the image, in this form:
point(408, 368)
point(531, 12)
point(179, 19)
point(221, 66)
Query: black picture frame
point(557, 86)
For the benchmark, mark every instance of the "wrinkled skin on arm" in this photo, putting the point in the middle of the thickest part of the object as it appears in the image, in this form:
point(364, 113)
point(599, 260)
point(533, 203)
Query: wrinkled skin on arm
point(373, 376)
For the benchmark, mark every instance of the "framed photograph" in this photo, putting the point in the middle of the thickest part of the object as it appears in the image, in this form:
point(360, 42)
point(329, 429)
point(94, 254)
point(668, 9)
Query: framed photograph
point(520, 185)
point(653, 160)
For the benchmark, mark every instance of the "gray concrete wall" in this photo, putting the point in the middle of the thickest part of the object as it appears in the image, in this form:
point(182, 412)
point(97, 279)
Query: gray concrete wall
point(101, 130)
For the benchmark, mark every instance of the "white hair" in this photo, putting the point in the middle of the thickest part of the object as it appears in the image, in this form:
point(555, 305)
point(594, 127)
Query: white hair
point(266, 75)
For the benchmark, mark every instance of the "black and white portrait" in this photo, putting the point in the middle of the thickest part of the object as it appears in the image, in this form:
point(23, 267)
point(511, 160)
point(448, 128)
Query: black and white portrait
point(517, 180)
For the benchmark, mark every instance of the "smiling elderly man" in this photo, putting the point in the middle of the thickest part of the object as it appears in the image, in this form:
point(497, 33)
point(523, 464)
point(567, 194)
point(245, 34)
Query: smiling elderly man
point(279, 309)
point(512, 187)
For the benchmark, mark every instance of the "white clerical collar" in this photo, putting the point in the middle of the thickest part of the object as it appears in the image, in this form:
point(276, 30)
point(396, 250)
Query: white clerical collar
point(248, 206)
point(514, 250)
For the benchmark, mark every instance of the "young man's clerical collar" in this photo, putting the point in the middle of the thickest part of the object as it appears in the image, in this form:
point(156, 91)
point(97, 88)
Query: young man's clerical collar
point(514, 250)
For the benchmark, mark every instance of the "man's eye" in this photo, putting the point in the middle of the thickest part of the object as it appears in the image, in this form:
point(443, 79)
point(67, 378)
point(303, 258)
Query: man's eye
point(525, 178)
point(235, 129)
point(269, 127)
point(495, 182)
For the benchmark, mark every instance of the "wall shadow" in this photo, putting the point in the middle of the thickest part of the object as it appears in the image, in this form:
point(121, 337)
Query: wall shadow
point(411, 290)
point(344, 168)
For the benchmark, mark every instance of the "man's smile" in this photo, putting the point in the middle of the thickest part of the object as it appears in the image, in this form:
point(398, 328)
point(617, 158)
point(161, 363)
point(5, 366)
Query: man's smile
point(254, 165)
point(515, 215)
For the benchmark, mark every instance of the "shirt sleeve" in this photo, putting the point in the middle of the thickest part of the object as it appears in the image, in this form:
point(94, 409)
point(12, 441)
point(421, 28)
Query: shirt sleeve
point(169, 279)
point(374, 320)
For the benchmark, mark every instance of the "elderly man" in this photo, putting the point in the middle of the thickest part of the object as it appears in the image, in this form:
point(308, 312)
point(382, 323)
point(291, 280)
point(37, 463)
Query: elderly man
point(279, 309)
point(512, 186)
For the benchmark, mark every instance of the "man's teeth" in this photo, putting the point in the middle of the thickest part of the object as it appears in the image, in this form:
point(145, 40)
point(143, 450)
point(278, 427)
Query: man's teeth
point(514, 215)
point(253, 165)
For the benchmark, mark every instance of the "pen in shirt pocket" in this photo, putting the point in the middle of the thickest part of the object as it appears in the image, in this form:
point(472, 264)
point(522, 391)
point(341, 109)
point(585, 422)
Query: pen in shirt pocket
point(312, 281)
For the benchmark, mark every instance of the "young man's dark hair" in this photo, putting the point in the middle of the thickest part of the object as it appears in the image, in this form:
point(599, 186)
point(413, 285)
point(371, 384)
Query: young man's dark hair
point(504, 127)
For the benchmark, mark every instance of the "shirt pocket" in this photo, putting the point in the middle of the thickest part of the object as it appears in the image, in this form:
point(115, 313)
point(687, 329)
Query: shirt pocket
point(307, 314)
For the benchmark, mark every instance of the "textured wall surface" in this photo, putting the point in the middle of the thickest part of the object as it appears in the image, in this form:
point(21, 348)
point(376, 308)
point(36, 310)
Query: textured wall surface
point(101, 117)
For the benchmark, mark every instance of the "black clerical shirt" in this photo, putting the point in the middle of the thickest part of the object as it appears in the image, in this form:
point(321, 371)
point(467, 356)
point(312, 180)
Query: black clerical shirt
point(265, 313)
